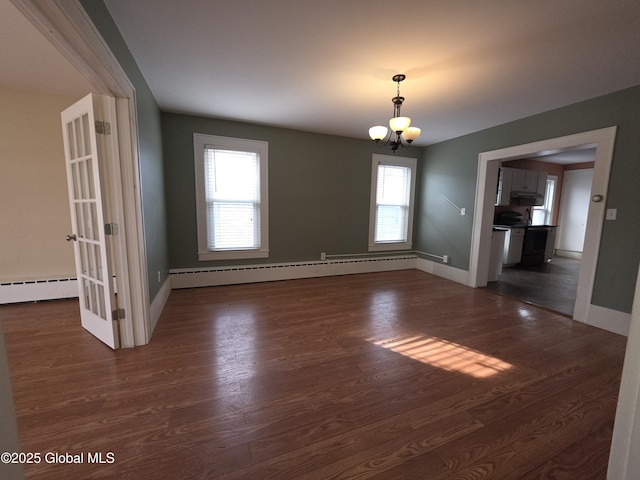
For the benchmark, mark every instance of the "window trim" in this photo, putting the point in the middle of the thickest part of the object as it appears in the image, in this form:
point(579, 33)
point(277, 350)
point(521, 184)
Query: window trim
point(411, 163)
point(200, 143)
point(549, 202)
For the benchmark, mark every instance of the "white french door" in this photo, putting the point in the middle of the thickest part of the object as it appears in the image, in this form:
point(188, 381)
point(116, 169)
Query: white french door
point(85, 166)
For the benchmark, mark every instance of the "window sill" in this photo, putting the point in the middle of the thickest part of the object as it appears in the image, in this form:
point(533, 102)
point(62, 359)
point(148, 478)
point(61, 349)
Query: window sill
point(232, 255)
point(386, 247)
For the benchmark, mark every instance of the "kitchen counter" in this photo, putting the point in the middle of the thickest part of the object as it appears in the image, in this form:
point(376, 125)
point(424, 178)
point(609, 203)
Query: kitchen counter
point(528, 244)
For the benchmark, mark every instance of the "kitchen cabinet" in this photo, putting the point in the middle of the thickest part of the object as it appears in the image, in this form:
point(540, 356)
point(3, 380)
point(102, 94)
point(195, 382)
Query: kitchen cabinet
point(524, 180)
point(524, 187)
point(496, 255)
point(504, 187)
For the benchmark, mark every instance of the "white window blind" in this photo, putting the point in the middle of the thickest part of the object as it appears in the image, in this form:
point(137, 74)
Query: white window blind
point(232, 192)
point(392, 203)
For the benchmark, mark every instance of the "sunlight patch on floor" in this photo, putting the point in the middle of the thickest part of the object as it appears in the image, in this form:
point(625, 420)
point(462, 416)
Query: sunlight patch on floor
point(444, 354)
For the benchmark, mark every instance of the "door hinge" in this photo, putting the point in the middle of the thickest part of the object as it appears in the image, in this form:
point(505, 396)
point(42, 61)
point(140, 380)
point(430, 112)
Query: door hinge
point(118, 314)
point(111, 229)
point(103, 128)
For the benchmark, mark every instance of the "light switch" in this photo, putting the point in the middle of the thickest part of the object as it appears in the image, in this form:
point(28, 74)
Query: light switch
point(612, 213)
point(463, 211)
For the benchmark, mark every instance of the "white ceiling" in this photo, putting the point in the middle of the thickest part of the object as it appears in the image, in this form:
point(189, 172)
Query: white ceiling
point(327, 66)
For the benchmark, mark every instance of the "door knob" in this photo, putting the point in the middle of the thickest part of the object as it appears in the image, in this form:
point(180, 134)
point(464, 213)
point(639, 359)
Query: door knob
point(597, 198)
point(73, 237)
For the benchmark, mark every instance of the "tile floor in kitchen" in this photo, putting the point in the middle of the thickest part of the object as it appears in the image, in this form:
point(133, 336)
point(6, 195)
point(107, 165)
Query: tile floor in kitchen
point(551, 285)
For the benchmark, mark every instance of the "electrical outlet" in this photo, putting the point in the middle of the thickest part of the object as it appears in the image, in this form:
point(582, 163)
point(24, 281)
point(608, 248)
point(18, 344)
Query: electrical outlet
point(158, 276)
point(445, 259)
point(323, 256)
point(612, 213)
point(463, 211)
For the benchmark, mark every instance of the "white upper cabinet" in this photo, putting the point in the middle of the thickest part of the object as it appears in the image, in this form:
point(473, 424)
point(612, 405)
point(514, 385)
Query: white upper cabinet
point(524, 187)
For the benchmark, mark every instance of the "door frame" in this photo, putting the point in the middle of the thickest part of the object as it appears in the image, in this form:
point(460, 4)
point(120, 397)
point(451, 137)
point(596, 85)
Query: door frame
point(68, 28)
point(489, 162)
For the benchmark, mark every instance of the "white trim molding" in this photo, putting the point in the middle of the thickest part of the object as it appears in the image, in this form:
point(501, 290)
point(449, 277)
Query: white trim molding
point(67, 26)
point(230, 275)
point(389, 160)
point(607, 319)
point(201, 144)
point(624, 461)
point(158, 304)
point(441, 270)
point(37, 290)
point(489, 162)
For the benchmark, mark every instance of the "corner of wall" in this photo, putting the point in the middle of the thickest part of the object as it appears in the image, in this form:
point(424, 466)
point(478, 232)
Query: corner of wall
point(445, 271)
point(158, 303)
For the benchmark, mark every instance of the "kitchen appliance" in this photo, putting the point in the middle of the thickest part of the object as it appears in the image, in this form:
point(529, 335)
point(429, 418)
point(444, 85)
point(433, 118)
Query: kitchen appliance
point(535, 245)
point(509, 219)
point(525, 244)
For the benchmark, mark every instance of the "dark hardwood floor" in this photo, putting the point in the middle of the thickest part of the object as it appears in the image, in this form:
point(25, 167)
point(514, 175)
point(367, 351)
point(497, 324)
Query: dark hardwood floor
point(396, 375)
point(550, 285)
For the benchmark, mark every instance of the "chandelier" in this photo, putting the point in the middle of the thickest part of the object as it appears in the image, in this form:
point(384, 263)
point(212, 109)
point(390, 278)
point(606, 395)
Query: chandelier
point(401, 134)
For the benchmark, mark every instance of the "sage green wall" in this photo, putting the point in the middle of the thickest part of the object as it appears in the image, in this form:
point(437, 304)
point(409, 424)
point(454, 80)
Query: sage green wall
point(448, 181)
point(150, 148)
point(319, 187)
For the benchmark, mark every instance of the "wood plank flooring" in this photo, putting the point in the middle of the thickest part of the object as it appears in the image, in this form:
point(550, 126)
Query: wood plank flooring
point(395, 375)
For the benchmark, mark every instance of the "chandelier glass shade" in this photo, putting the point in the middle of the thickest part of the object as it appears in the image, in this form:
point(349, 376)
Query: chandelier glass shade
point(400, 132)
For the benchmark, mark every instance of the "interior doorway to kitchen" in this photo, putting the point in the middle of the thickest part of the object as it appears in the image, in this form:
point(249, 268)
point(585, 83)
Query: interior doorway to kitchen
point(488, 165)
point(551, 283)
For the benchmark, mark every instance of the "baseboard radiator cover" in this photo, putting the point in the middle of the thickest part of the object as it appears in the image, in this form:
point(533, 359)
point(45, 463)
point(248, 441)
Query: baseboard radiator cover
point(230, 275)
point(37, 290)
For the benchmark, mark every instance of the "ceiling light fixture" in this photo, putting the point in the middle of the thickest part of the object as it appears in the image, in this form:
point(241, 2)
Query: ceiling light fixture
point(400, 126)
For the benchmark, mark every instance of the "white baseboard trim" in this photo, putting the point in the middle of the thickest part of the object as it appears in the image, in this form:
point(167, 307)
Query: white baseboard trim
point(442, 270)
point(208, 277)
point(157, 305)
point(607, 319)
point(37, 290)
point(568, 254)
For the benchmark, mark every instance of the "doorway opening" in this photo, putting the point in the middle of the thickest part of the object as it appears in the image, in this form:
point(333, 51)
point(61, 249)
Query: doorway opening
point(67, 28)
point(488, 165)
point(548, 271)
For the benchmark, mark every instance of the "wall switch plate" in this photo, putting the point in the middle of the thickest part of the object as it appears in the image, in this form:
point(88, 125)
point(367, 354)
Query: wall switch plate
point(463, 211)
point(612, 213)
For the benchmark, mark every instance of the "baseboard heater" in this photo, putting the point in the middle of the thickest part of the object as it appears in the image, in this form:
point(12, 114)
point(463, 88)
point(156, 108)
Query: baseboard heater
point(229, 275)
point(37, 290)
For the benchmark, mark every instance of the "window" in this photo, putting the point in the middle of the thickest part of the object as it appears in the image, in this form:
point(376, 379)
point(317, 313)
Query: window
point(231, 191)
point(391, 214)
point(543, 215)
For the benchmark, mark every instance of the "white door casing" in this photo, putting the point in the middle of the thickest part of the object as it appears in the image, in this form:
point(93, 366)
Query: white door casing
point(84, 158)
point(68, 27)
point(488, 163)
